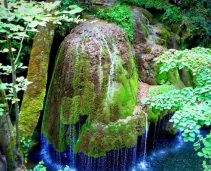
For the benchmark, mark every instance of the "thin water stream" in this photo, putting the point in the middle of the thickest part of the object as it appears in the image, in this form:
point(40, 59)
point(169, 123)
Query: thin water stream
point(168, 153)
point(146, 134)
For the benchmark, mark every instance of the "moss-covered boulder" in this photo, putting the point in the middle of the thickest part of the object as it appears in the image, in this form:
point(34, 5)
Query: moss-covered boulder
point(33, 99)
point(93, 88)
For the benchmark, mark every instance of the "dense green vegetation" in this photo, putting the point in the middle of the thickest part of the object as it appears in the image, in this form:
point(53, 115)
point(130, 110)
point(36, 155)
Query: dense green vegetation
point(191, 99)
point(185, 75)
point(16, 21)
point(121, 15)
point(189, 19)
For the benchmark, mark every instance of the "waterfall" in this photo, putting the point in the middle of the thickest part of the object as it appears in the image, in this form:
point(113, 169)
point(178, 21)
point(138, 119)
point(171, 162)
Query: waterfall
point(146, 20)
point(151, 40)
point(143, 165)
point(146, 133)
point(72, 137)
point(124, 159)
point(114, 63)
point(156, 132)
point(134, 155)
point(53, 159)
point(100, 67)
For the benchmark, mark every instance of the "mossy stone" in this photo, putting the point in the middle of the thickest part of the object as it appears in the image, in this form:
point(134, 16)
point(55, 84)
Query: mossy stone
point(33, 99)
point(93, 87)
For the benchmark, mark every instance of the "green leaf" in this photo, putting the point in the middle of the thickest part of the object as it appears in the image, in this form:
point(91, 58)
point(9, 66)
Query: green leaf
point(76, 10)
point(186, 139)
point(200, 154)
point(3, 86)
point(42, 23)
point(72, 6)
point(176, 121)
point(192, 139)
point(207, 123)
point(11, 18)
point(33, 24)
point(186, 131)
point(207, 144)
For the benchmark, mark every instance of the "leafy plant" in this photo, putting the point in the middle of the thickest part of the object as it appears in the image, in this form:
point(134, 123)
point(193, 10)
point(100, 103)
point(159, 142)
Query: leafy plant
point(31, 14)
point(188, 18)
point(39, 167)
point(121, 15)
point(25, 144)
point(192, 105)
point(157, 4)
point(172, 14)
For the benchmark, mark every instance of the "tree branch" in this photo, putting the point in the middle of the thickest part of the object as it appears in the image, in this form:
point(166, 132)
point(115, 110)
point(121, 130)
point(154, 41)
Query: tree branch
point(15, 96)
point(21, 45)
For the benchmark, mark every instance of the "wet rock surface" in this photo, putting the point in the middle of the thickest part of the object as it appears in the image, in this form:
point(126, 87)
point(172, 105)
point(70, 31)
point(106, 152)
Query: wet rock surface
point(150, 41)
point(93, 89)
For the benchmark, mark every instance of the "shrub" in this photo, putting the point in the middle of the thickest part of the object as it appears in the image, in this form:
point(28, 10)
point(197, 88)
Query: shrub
point(121, 15)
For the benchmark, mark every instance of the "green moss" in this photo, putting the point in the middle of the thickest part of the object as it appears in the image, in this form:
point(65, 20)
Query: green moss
point(33, 98)
point(111, 137)
point(161, 41)
point(70, 110)
point(155, 90)
point(147, 50)
point(164, 35)
point(78, 95)
point(186, 77)
point(153, 115)
point(147, 14)
point(9, 154)
point(174, 78)
point(121, 15)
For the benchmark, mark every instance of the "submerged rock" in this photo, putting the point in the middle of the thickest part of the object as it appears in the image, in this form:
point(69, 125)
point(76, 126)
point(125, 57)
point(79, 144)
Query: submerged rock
point(93, 91)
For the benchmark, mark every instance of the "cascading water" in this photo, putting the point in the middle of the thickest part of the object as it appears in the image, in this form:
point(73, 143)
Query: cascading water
point(72, 157)
point(55, 160)
point(168, 153)
point(100, 67)
point(146, 133)
point(143, 164)
point(117, 160)
point(114, 64)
